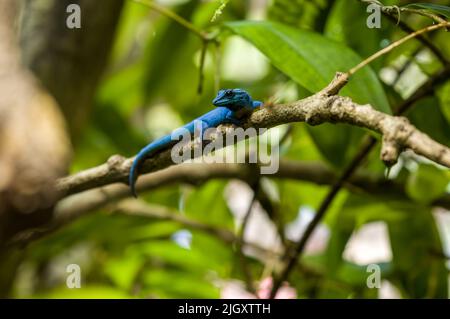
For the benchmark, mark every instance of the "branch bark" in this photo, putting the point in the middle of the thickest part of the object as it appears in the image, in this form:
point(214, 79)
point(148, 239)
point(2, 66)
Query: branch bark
point(78, 205)
point(398, 134)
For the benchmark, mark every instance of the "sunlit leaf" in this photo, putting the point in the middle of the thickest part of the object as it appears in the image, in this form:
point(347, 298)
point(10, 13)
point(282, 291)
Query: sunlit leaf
point(427, 183)
point(208, 204)
point(312, 60)
point(417, 255)
point(427, 115)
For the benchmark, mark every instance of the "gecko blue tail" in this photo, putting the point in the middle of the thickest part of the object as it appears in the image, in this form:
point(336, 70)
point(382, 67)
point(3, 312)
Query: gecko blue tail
point(228, 102)
point(145, 153)
point(133, 177)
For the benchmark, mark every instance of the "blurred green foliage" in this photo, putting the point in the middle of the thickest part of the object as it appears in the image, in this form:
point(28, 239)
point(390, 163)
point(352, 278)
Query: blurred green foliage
point(151, 88)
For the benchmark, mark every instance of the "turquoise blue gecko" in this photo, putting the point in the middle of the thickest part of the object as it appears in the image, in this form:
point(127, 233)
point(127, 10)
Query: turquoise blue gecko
point(231, 107)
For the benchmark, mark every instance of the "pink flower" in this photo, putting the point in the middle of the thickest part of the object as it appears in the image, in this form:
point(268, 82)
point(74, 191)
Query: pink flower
point(284, 292)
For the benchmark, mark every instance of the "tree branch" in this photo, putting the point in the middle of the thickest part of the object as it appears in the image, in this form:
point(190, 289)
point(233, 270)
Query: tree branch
point(78, 205)
point(135, 207)
point(390, 152)
point(398, 134)
point(369, 143)
point(397, 44)
point(425, 41)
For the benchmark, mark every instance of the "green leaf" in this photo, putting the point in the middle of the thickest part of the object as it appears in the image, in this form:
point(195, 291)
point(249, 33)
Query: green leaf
point(208, 204)
point(312, 60)
point(334, 141)
point(302, 147)
point(122, 271)
point(428, 117)
point(290, 205)
point(435, 8)
point(353, 275)
point(345, 23)
point(427, 183)
point(176, 284)
point(295, 194)
point(416, 248)
point(340, 235)
point(443, 94)
point(303, 14)
point(357, 274)
point(416, 266)
point(356, 211)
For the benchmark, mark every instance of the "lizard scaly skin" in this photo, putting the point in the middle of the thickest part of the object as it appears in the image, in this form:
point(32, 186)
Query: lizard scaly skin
point(231, 106)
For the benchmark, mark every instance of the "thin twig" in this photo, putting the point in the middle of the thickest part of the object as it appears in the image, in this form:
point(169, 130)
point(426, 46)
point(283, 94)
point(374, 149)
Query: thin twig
point(425, 41)
point(76, 206)
point(310, 110)
point(267, 119)
point(426, 89)
point(400, 71)
point(138, 208)
point(291, 257)
point(395, 45)
point(320, 108)
point(205, 37)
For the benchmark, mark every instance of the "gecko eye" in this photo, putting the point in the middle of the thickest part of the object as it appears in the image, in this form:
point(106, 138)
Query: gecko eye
point(228, 93)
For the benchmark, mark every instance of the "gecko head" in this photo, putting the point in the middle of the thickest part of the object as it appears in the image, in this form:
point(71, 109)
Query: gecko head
point(234, 99)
